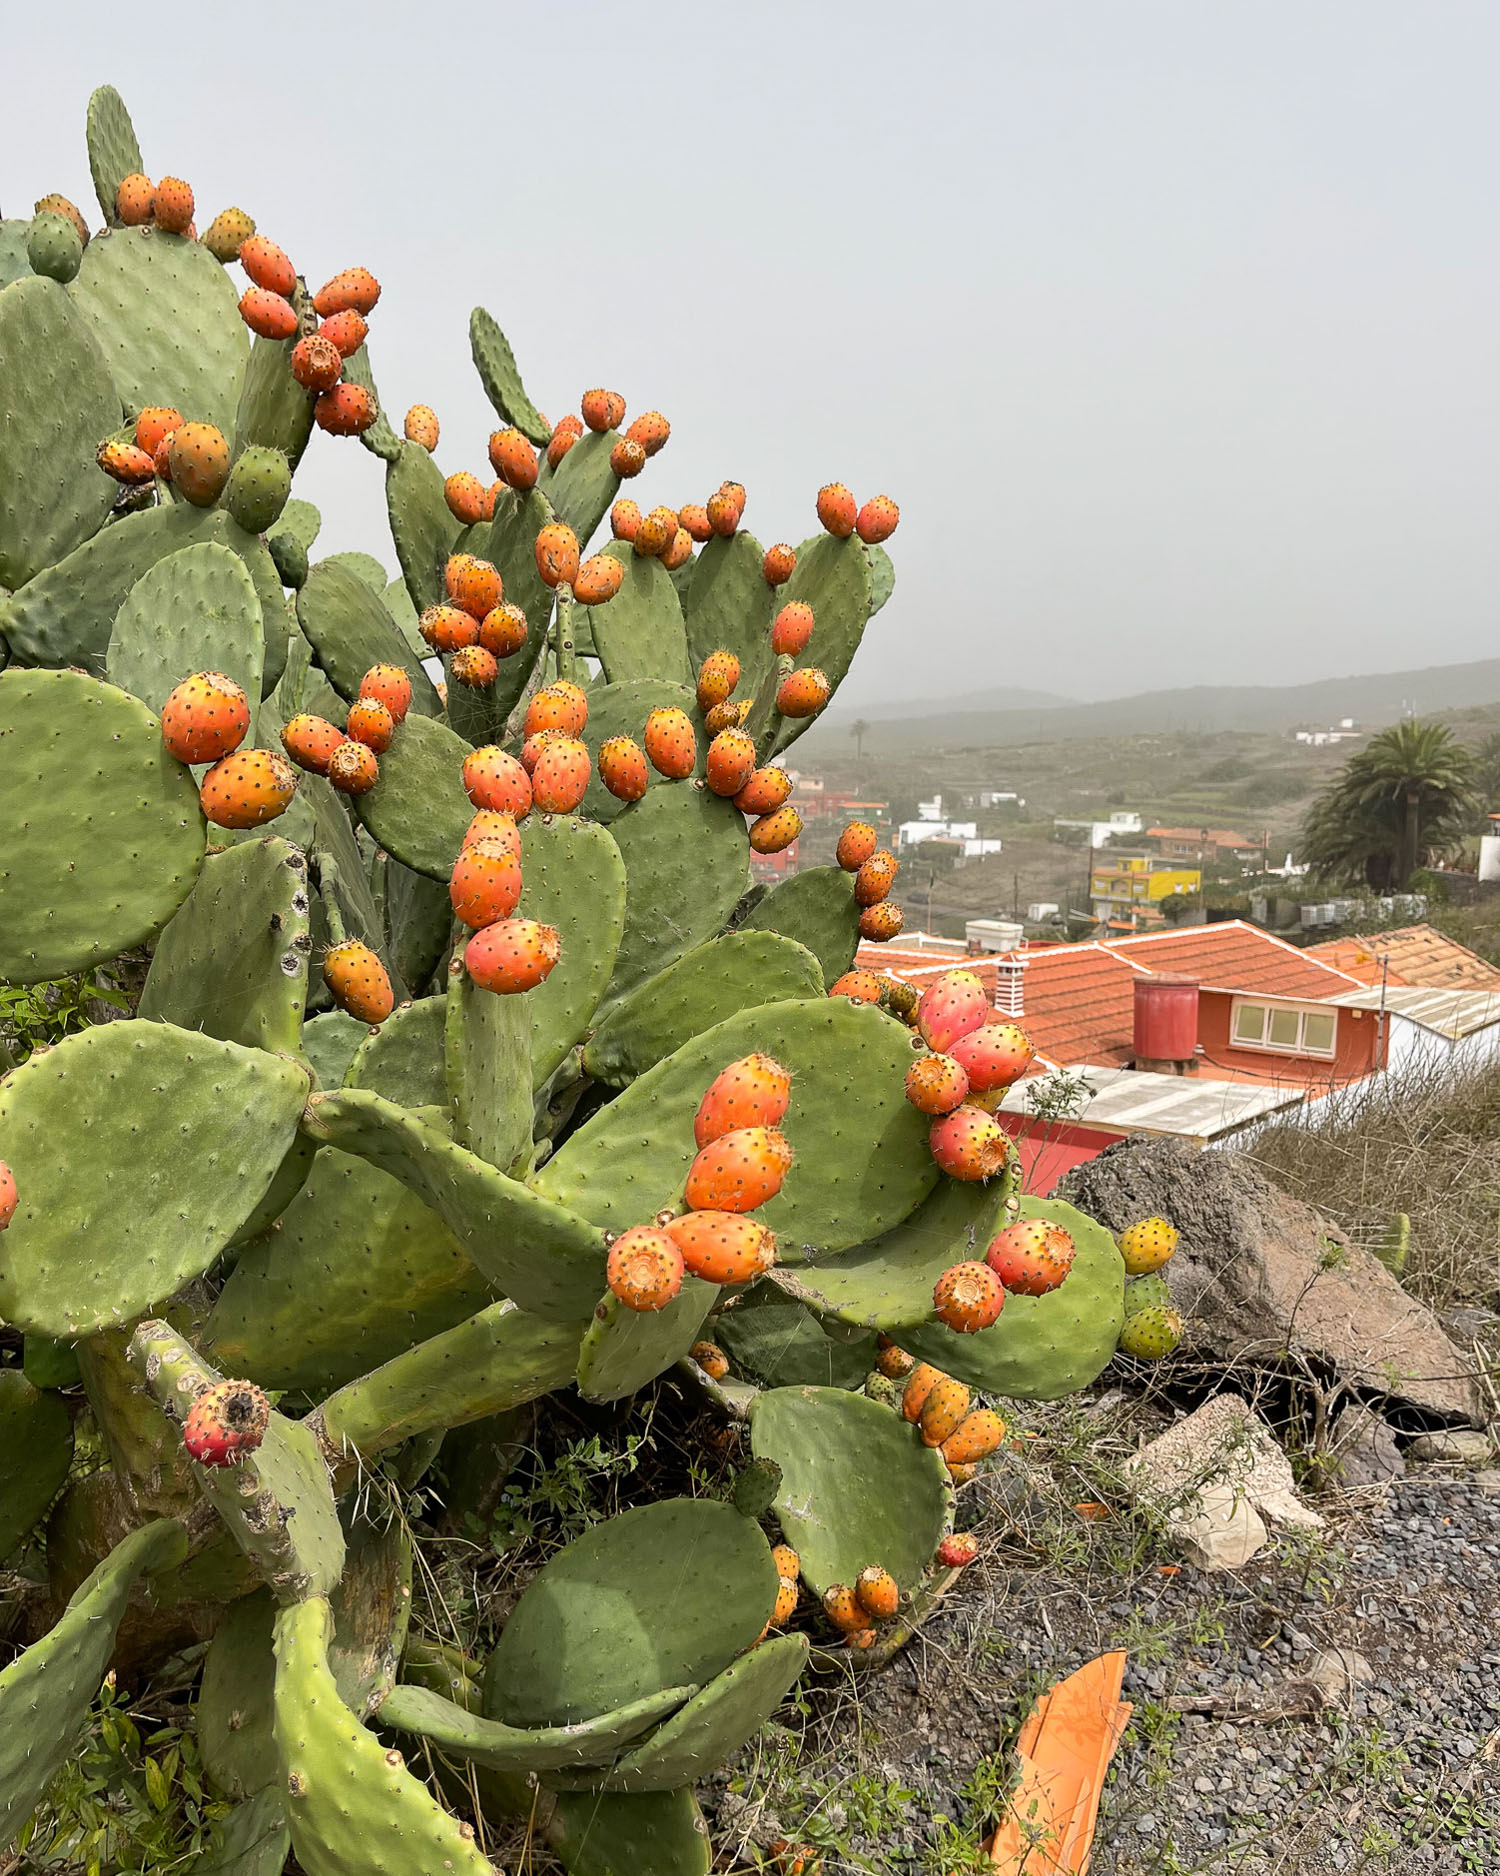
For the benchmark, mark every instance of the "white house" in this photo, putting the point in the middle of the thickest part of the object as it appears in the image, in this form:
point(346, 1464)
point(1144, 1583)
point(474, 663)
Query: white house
point(1433, 1028)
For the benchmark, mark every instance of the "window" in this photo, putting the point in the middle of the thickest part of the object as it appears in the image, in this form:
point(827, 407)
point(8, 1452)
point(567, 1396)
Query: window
point(1284, 1028)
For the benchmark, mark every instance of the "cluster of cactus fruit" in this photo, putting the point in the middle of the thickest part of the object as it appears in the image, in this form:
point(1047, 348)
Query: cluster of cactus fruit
point(466, 1048)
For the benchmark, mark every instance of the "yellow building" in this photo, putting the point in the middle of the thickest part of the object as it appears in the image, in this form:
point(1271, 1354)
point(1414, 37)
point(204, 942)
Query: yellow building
point(1139, 883)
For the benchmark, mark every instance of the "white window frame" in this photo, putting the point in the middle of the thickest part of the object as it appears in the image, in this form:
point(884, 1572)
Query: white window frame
point(1301, 1010)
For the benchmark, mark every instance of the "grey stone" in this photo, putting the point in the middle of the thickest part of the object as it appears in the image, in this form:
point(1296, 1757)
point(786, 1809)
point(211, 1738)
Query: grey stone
point(1364, 1449)
point(1338, 1671)
point(1459, 1446)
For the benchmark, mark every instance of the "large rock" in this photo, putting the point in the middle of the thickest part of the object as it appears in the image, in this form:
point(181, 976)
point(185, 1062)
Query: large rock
point(1264, 1278)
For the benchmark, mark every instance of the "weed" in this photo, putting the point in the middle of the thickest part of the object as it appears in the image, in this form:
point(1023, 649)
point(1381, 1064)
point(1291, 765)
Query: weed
point(34, 1016)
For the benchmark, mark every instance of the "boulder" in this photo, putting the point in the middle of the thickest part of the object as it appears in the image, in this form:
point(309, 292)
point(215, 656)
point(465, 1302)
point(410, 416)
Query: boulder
point(1363, 1449)
point(1264, 1279)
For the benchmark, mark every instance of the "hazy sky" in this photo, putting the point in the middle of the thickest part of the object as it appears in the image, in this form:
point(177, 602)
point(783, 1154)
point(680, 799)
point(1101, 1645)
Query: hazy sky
point(1171, 327)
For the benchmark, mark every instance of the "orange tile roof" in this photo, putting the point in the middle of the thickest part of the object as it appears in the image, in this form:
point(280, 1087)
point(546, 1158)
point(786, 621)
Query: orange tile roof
point(1079, 1004)
point(1215, 836)
point(1415, 955)
point(1236, 956)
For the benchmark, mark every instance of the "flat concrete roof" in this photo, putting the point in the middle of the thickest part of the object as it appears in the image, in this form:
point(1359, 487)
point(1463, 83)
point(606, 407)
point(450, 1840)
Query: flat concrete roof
point(1450, 1013)
point(1128, 1100)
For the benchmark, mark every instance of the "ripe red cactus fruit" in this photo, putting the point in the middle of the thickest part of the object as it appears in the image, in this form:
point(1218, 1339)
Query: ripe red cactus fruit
point(627, 459)
point(8, 1195)
point(125, 462)
point(557, 553)
point(695, 519)
point(723, 1247)
point(346, 331)
point(778, 564)
point(765, 792)
point(678, 551)
point(598, 579)
point(968, 1297)
point(644, 1269)
point(513, 955)
point(943, 1410)
point(650, 430)
point(858, 986)
point(843, 1608)
point(316, 364)
point(172, 205)
point(894, 1363)
point(625, 519)
point(623, 768)
point(919, 1384)
point(792, 628)
point(724, 511)
point(489, 825)
point(804, 693)
point(310, 741)
point(603, 410)
point(504, 630)
point(968, 1144)
point(951, 1008)
point(474, 667)
point(205, 717)
point(738, 1171)
point(355, 290)
point(936, 1084)
point(670, 743)
point(775, 832)
point(485, 884)
point(346, 410)
point(421, 426)
point(560, 705)
point(513, 459)
point(730, 763)
point(857, 843)
point(976, 1436)
point(493, 779)
point(1031, 1257)
point(560, 779)
point(958, 1551)
point(875, 878)
point(877, 520)
point(267, 314)
point(371, 723)
point(225, 1422)
point(353, 768)
point(994, 1055)
point(564, 436)
point(474, 585)
point(877, 1591)
point(711, 1359)
point(358, 982)
point(717, 677)
point(134, 199)
point(836, 509)
point(448, 628)
point(752, 1092)
point(531, 750)
point(880, 923)
point(390, 685)
point(248, 788)
point(198, 455)
point(267, 266)
point(654, 533)
point(154, 425)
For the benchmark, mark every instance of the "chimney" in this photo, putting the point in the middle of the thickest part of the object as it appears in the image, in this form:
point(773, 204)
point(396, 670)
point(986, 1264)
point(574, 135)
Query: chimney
point(1010, 999)
point(1166, 1024)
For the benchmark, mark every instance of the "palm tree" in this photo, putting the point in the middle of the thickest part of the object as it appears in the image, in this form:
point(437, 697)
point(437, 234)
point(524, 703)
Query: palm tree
point(859, 729)
point(1408, 792)
point(1487, 771)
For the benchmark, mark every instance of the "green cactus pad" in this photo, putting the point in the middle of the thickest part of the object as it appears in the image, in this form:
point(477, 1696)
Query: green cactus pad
point(57, 405)
point(730, 608)
point(1146, 1293)
point(421, 526)
point(140, 291)
point(364, 566)
point(545, 1257)
point(402, 1060)
point(834, 578)
point(443, 1669)
point(1042, 1346)
point(609, 1834)
point(235, 1699)
point(54, 249)
point(419, 922)
point(184, 1134)
point(503, 1748)
point(15, 264)
point(149, 1463)
point(349, 628)
point(197, 610)
point(330, 1043)
point(573, 878)
point(501, 377)
point(862, 1156)
point(114, 153)
point(639, 633)
point(418, 810)
point(101, 836)
point(288, 1182)
point(623, 1350)
point(663, 1595)
point(858, 1486)
point(276, 1502)
point(686, 859)
point(583, 485)
point(510, 545)
point(274, 410)
point(253, 1840)
point(36, 1449)
point(48, 1362)
point(46, 1692)
point(349, 1801)
point(621, 710)
point(359, 1270)
point(782, 1345)
point(817, 908)
point(495, 1360)
point(738, 971)
point(487, 1051)
point(882, 577)
point(379, 439)
point(713, 1725)
point(301, 521)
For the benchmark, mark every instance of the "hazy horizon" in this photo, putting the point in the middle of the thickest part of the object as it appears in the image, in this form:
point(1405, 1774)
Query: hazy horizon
point(1170, 328)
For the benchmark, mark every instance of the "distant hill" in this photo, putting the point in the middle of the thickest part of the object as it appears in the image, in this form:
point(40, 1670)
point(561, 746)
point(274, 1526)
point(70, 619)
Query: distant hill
point(1018, 717)
point(978, 700)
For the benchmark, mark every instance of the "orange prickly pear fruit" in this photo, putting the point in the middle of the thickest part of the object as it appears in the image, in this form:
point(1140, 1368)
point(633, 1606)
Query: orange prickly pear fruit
point(723, 1247)
point(730, 763)
point(951, 1008)
point(316, 364)
point(804, 693)
point(654, 532)
point(677, 551)
point(711, 1359)
point(968, 1297)
point(513, 955)
point(206, 717)
point(792, 628)
point(358, 982)
point(717, 677)
point(968, 1144)
point(1147, 1245)
point(485, 884)
point(958, 1551)
point(355, 290)
point(421, 426)
point(372, 724)
point(625, 519)
point(880, 923)
point(60, 205)
point(557, 553)
point(779, 564)
point(1031, 1256)
point(738, 1171)
point(858, 986)
point(388, 684)
point(268, 266)
point(346, 410)
point(599, 578)
point(736, 494)
point(227, 234)
point(603, 410)
point(842, 1607)
point(943, 1410)
point(936, 1084)
point(773, 833)
point(978, 1435)
point(473, 584)
point(172, 205)
point(133, 200)
point(503, 631)
point(874, 879)
point(575, 696)
point(199, 457)
point(877, 1592)
point(560, 706)
point(724, 512)
point(644, 1270)
point(513, 459)
point(961, 1474)
point(560, 779)
point(856, 844)
point(247, 788)
point(493, 779)
point(877, 520)
point(448, 628)
point(650, 430)
point(836, 509)
point(489, 825)
point(162, 457)
point(125, 462)
point(623, 769)
point(862, 1638)
point(627, 459)
point(533, 746)
point(670, 743)
point(994, 1055)
point(564, 436)
point(225, 1422)
point(786, 1594)
point(787, 1562)
point(310, 741)
point(695, 519)
point(491, 498)
point(765, 792)
point(919, 1384)
point(347, 331)
point(474, 667)
point(353, 768)
point(752, 1092)
point(154, 425)
point(725, 716)
point(894, 1363)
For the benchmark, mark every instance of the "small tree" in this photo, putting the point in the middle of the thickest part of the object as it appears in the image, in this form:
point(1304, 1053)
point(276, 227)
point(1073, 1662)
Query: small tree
point(1407, 794)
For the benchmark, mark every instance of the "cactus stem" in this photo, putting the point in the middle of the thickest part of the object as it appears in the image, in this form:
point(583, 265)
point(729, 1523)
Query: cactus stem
point(567, 662)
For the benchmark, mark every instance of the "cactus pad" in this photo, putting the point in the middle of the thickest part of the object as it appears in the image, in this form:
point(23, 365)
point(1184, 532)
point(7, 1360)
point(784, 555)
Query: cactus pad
point(730, 607)
point(623, 1350)
point(503, 1748)
point(114, 152)
point(574, 880)
point(421, 526)
point(499, 374)
point(583, 485)
point(817, 908)
point(36, 1448)
point(639, 633)
point(418, 810)
point(196, 610)
point(274, 410)
point(488, 1056)
point(254, 1840)
point(330, 1043)
point(402, 1060)
point(348, 626)
point(834, 578)
point(610, 1834)
point(783, 1345)
point(686, 864)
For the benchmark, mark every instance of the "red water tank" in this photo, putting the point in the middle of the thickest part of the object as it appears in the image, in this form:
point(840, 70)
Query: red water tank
point(1166, 1018)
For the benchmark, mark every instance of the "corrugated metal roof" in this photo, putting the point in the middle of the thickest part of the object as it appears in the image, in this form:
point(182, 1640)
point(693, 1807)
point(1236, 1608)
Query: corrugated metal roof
point(1131, 1101)
point(1450, 1013)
